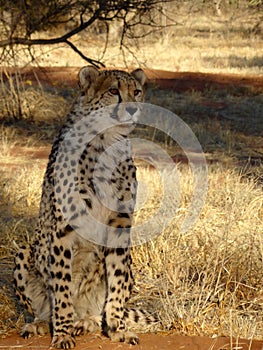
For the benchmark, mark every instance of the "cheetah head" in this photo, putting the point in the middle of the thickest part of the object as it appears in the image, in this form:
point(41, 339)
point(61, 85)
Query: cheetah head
point(120, 89)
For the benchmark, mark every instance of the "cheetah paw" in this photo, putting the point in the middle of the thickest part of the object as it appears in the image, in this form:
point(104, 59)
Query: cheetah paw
point(127, 337)
point(83, 327)
point(34, 328)
point(65, 341)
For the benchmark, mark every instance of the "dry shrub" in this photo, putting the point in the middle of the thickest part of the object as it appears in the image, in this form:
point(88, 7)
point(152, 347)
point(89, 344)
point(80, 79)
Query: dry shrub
point(207, 281)
point(8, 313)
point(7, 141)
point(19, 100)
point(22, 192)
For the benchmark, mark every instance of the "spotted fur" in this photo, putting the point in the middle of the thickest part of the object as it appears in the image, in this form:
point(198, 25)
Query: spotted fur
point(75, 285)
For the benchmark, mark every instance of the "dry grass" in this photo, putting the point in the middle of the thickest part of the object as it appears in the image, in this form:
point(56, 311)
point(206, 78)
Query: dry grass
point(22, 192)
point(7, 137)
point(207, 281)
point(19, 201)
point(8, 312)
point(176, 52)
point(19, 100)
point(231, 43)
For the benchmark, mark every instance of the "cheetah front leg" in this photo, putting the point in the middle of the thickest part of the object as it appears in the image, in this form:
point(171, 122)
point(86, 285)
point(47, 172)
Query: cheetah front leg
point(119, 284)
point(32, 293)
point(60, 261)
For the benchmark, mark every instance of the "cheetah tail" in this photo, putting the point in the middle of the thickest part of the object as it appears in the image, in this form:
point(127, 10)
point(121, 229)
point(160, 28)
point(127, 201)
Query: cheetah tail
point(141, 321)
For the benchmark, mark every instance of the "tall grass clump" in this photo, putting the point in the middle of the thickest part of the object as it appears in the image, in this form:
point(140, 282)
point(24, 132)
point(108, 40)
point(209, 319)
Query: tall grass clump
point(208, 281)
point(22, 193)
point(19, 201)
point(21, 100)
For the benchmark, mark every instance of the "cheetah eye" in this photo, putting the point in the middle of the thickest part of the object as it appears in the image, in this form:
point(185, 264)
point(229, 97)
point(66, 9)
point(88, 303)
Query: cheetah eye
point(114, 91)
point(137, 92)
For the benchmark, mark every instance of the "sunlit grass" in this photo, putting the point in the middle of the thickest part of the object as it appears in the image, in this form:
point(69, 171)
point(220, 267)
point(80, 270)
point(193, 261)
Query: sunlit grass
point(208, 280)
point(197, 43)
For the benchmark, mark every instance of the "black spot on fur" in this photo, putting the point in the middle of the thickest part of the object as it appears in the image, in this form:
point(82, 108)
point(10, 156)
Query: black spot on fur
point(74, 216)
point(51, 259)
point(73, 207)
point(136, 317)
point(68, 229)
point(59, 275)
point(67, 254)
point(118, 273)
point(120, 251)
point(67, 277)
point(126, 277)
point(111, 221)
point(21, 256)
point(88, 202)
point(56, 251)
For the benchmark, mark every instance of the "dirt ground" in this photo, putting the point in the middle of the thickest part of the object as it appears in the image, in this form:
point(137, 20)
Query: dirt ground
point(177, 81)
point(147, 342)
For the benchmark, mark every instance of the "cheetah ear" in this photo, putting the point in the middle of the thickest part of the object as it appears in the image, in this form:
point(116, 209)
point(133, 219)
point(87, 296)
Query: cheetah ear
point(87, 77)
point(139, 75)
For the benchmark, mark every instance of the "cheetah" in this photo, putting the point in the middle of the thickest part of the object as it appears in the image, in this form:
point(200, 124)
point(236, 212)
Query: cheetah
point(73, 284)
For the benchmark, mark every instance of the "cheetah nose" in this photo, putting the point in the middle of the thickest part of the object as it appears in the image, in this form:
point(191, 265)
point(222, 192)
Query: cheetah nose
point(131, 110)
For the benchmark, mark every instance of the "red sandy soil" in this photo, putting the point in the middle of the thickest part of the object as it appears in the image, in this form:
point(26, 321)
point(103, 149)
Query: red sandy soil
point(177, 81)
point(147, 342)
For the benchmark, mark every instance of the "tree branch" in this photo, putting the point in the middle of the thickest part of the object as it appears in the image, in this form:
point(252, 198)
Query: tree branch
point(90, 60)
point(19, 23)
point(61, 39)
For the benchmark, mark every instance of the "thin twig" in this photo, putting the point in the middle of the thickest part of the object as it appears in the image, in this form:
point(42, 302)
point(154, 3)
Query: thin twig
point(95, 63)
